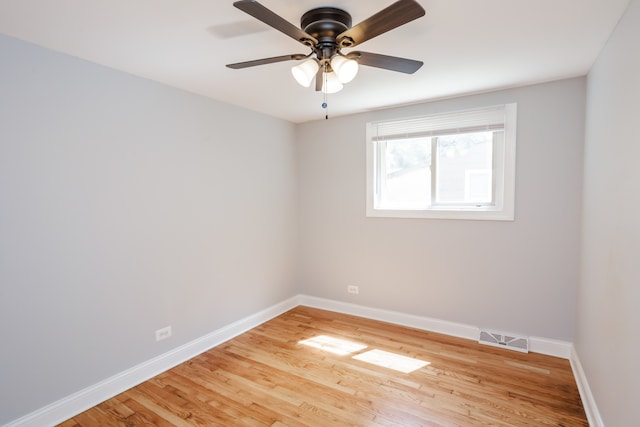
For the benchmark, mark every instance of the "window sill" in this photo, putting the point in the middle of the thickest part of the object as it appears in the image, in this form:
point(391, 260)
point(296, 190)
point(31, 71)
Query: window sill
point(481, 215)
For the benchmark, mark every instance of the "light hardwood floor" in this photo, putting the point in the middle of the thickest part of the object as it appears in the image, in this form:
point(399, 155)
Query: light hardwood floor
point(266, 377)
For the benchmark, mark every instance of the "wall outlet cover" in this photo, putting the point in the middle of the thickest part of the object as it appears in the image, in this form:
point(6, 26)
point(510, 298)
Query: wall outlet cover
point(164, 333)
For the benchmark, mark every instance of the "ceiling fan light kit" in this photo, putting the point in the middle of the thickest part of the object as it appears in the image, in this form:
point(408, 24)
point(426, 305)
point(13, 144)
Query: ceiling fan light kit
point(305, 72)
point(326, 31)
point(331, 83)
point(345, 68)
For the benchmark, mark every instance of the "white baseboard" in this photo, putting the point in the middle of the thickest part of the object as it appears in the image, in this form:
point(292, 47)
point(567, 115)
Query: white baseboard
point(425, 323)
point(550, 347)
point(537, 345)
point(82, 400)
point(588, 401)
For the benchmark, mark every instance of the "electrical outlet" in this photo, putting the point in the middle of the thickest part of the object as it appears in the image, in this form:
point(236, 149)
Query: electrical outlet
point(353, 289)
point(163, 334)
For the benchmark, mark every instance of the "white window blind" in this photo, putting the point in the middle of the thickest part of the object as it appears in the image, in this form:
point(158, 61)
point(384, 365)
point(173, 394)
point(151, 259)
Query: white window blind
point(486, 119)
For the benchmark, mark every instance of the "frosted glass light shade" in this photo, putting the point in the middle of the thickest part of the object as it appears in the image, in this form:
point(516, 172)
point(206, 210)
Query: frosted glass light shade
point(331, 83)
point(345, 68)
point(305, 72)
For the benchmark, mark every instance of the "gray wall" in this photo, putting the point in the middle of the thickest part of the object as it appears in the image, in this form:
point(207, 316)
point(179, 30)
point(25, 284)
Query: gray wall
point(519, 276)
point(609, 298)
point(127, 206)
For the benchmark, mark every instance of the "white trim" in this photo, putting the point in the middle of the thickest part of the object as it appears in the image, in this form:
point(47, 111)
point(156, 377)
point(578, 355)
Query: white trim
point(425, 323)
point(588, 401)
point(550, 347)
point(545, 346)
point(82, 400)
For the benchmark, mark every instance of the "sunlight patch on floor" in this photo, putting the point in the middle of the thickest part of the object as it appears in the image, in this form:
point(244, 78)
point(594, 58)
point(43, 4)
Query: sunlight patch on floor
point(394, 361)
point(334, 345)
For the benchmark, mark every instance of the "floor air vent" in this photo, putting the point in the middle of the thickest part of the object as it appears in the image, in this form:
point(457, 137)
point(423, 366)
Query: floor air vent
point(511, 342)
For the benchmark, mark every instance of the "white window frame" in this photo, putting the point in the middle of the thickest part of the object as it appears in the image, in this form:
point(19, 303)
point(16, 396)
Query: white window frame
point(502, 207)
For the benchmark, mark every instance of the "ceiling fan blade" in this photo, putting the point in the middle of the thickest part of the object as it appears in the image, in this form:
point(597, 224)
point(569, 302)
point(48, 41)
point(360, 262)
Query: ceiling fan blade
point(395, 15)
point(393, 63)
point(263, 14)
point(247, 64)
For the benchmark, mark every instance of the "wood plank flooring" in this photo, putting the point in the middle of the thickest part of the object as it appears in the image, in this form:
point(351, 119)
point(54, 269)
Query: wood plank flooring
point(266, 377)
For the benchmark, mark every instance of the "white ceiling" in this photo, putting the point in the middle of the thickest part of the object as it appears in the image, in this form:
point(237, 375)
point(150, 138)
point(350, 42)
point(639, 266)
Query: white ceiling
point(467, 46)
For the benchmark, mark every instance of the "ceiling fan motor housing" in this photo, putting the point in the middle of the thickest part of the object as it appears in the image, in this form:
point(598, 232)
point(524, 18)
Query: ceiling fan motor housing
point(325, 24)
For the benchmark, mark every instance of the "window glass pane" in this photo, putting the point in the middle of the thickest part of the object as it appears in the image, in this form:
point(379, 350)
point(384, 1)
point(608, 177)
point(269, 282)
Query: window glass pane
point(464, 168)
point(407, 177)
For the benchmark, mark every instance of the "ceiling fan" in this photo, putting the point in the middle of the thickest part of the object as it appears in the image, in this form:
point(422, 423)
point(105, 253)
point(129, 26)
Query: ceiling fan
point(326, 31)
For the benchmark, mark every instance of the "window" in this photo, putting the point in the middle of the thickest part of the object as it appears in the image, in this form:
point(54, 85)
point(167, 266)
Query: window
point(458, 165)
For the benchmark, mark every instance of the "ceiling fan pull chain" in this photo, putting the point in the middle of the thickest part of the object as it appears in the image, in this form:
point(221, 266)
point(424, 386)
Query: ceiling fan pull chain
point(325, 94)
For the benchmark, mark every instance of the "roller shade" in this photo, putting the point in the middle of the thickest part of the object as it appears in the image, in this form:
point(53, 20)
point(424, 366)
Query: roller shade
point(485, 119)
